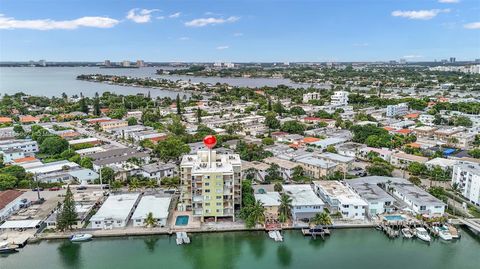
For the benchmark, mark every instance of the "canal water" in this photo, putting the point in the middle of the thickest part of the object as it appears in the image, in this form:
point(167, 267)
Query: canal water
point(352, 248)
point(53, 81)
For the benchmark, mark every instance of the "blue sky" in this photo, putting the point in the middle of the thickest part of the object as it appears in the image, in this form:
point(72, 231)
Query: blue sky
point(239, 31)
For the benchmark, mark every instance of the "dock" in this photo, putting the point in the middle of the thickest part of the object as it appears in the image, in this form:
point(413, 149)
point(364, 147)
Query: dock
point(389, 231)
point(316, 231)
point(275, 235)
point(182, 238)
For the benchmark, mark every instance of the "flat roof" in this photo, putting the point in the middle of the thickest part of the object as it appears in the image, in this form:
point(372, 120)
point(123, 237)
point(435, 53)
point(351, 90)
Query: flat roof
point(302, 195)
point(116, 207)
point(49, 167)
point(336, 157)
point(369, 191)
point(149, 203)
point(337, 190)
point(83, 140)
point(269, 198)
point(315, 161)
point(17, 224)
point(281, 162)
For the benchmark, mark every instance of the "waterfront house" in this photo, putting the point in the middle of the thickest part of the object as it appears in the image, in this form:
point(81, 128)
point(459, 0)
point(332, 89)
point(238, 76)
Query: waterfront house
point(271, 203)
point(306, 204)
point(341, 198)
point(158, 206)
point(115, 211)
point(379, 201)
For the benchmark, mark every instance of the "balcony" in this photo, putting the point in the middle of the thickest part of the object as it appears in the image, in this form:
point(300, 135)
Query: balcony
point(198, 198)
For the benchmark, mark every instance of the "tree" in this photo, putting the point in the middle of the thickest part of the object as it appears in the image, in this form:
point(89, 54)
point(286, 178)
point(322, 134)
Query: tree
point(278, 187)
point(248, 198)
point(176, 127)
point(278, 107)
point(267, 141)
point(199, 115)
point(378, 168)
point(171, 182)
point(86, 162)
point(253, 214)
point(116, 185)
point(271, 121)
point(179, 105)
point(273, 173)
point(96, 105)
point(297, 111)
point(132, 121)
point(293, 127)
point(53, 145)
point(18, 129)
point(108, 174)
point(150, 220)
point(475, 153)
point(298, 173)
point(171, 149)
point(67, 215)
point(134, 184)
point(321, 219)
point(14, 170)
point(285, 207)
point(7, 181)
point(83, 107)
point(331, 149)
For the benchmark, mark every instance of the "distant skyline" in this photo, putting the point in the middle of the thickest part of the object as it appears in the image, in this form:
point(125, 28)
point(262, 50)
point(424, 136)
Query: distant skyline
point(239, 31)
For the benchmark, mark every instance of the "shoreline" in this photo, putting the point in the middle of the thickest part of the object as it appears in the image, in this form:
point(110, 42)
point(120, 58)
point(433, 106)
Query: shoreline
point(128, 232)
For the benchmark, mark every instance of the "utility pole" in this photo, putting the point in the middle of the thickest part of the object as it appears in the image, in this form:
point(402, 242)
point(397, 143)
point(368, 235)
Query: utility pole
point(38, 187)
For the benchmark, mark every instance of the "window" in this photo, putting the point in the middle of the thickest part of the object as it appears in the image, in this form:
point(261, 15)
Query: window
point(219, 204)
point(207, 183)
point(207, 190)
point(219, 197)
point(207, 204)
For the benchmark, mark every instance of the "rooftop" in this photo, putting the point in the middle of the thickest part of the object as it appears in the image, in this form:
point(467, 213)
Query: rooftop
point(339, 191)
point(268, 199)
point(302, 195)
point(149, 203)
point(116, 207)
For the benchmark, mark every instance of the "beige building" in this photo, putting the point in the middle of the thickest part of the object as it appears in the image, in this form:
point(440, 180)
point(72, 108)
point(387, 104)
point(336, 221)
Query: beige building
point(211, 185)
point(107, 125)
point(402, 159)
point(271, 203)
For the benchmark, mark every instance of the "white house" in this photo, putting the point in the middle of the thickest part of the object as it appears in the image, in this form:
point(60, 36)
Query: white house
point(115, 211)
point(158, 206)
point(305, 202)
point(341, 198)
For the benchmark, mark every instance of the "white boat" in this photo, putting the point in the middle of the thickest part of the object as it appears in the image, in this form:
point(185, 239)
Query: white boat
point(407, 233)
point(422, 234)
point(5, 248)
point(444, 233)
point(80, 237)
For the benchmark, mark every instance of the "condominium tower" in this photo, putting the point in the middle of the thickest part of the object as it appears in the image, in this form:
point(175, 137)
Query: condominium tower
point(210, 185)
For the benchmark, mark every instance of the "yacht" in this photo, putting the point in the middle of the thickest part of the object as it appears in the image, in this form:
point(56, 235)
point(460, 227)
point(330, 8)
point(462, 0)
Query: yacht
point(421, 233)
point(407, 233)
point(80, 237)
point(443, 233)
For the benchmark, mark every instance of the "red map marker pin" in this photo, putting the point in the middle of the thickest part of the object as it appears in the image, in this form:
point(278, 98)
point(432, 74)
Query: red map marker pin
point(210, 141)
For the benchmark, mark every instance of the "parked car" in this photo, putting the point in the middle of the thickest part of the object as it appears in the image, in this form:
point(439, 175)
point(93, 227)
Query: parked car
point(37, 189)
point(54, 189)
point(82, 188)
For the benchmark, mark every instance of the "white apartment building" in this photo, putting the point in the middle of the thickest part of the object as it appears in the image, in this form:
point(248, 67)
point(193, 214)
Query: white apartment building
point(339, 98)
point(115, 211)
point(426, 119)
point(397, 110)
point(305, 203)
point(211, 184)
point(311, 96)
point(341, 198)
point(467, 176)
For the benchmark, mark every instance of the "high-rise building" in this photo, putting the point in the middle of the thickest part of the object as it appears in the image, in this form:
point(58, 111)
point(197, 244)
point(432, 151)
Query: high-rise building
point(339, 98)
point(397, 110)
point(140, 63)
point(126, 63)
point(107, 63)
point(211, 185)
point(467, 176)
point(452, 60)
point(311, 96)
point(42, 63)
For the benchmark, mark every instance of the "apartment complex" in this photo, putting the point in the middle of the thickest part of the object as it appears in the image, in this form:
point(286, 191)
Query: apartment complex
point(467, 176)
point(211, 184)
point(397, 110)
point(339, 98)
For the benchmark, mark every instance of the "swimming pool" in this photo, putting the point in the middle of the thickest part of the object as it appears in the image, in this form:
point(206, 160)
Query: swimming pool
point(394, 218)
point(181, 221)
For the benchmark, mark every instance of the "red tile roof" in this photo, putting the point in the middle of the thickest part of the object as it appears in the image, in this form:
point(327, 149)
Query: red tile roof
point(8, 196)
point(24, 160)
point(28, 118)
point(404, 131)
point(5, 120)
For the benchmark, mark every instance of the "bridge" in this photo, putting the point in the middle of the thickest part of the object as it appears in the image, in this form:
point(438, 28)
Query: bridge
point(473, 224)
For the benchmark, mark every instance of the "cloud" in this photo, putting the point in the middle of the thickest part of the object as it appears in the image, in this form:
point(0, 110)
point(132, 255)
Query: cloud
point(140, 15)
point(237, 34)
point(222, 47)
point(175, 15)
point(449, 1)
point(160, 17)
point(472, 25)
point(49, 24)
point(419, 14)
point(210, 21)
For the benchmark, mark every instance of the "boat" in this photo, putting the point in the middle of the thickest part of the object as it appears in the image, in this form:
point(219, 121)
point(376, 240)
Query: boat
point(6, 248)
point(453, 231)
point(80, 237)
point(421, 233)
point(407, 233)
point(443, 233)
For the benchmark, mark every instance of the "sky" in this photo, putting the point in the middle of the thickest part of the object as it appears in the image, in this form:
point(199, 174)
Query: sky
point(239, 30)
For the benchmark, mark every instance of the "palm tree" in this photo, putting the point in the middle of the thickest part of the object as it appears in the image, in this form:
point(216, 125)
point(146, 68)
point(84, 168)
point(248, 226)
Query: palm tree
point(150, 221)
point(285, 207)
point(133, 185)
point(321, 219)
point(256, 214)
